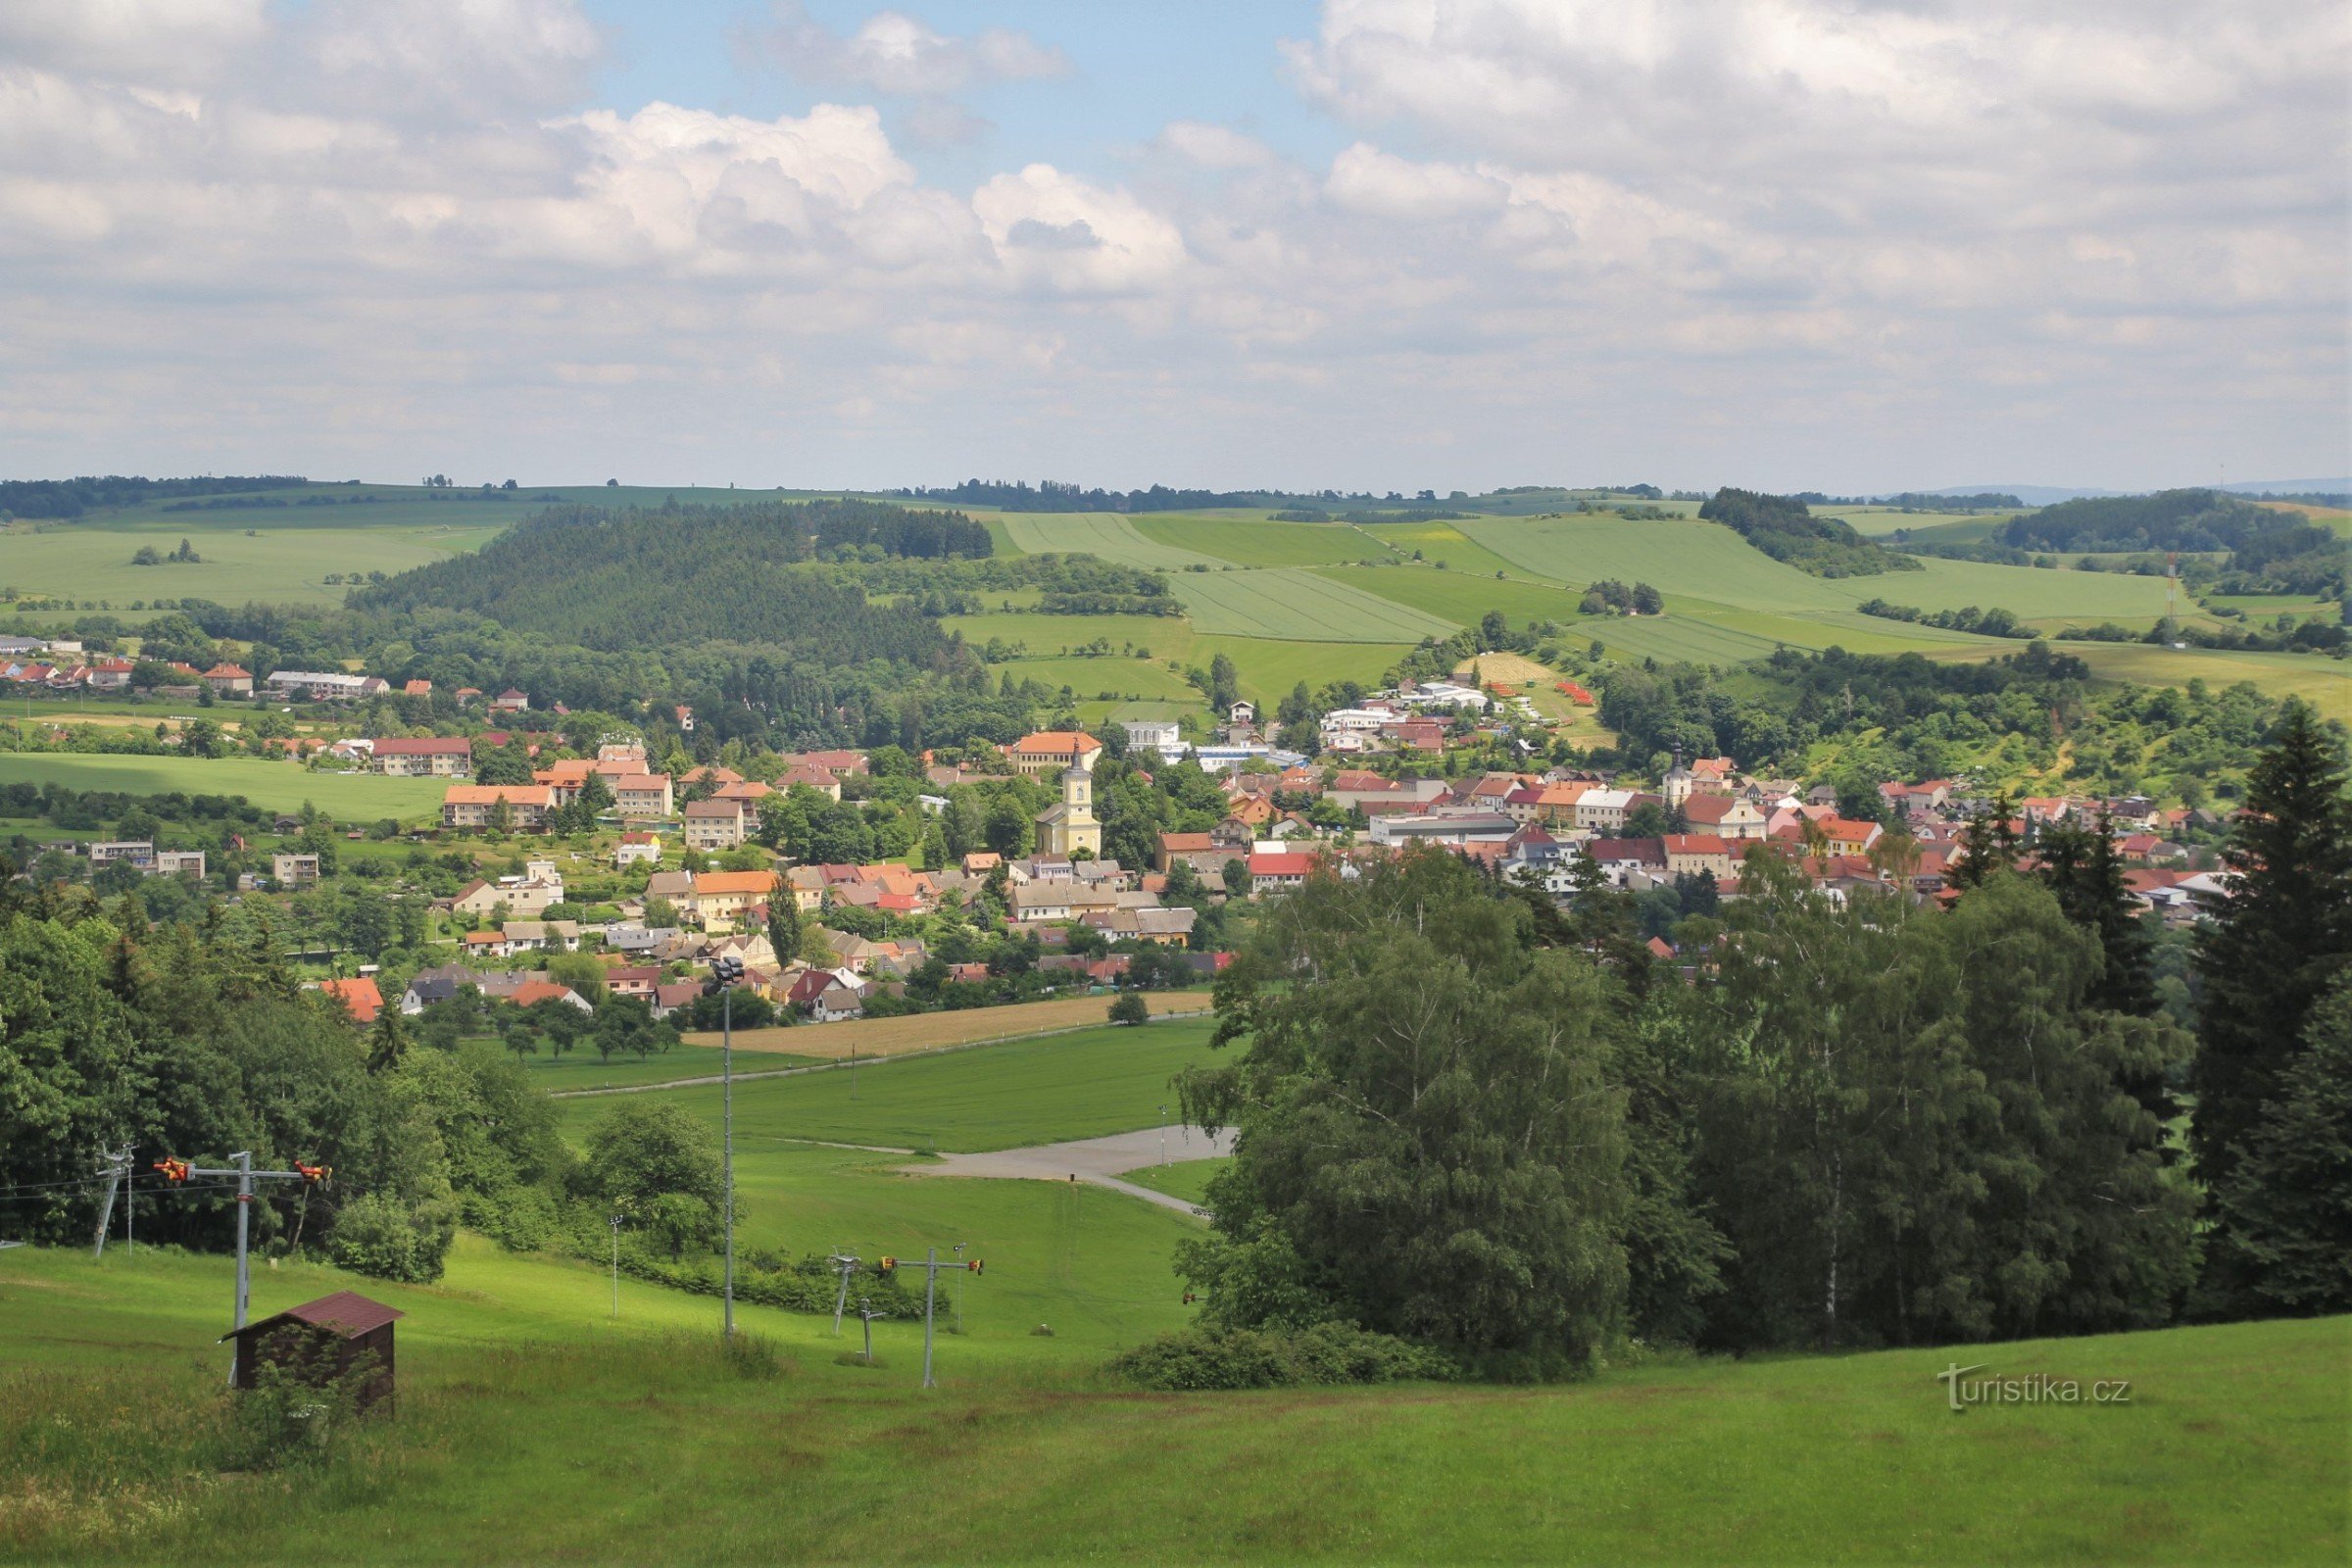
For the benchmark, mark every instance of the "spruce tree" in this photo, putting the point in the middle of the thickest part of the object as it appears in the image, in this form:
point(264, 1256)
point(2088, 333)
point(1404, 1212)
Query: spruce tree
point(2082, 869)
point(2286, 1212)
point(2270, 951)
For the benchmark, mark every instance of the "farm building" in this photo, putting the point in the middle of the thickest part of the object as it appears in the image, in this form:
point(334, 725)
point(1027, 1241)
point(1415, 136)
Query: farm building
point(321, 1342)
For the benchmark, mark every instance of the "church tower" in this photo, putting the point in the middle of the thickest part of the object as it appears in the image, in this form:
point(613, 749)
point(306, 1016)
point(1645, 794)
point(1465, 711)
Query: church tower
point(1070, 828)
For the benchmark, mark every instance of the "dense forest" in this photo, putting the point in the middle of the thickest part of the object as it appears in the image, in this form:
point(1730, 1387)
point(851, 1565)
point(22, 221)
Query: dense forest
point(1785, 530)
point(2271, 551)
point(640, 579)
point(70, 497)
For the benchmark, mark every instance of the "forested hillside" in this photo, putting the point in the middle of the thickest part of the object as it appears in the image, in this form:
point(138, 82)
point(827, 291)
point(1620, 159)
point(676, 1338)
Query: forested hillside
point(1785, 529)
point(639, 579)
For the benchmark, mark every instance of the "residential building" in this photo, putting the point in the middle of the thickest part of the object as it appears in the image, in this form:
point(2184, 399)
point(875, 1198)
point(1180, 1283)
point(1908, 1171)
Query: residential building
point(1052, 751)
point(138, 851)
point(359, 997)
point(478, 806)
point(713, 824)
point(724, 899)
point(1163, 736)
point(229, 680)
point(403, 756)
point(175, 862)
point(509, 700)
point(1728, 816)
point(1689, 853)
point(636, 849)
point(1278, 871)
point(294, 871)
point(643, 795)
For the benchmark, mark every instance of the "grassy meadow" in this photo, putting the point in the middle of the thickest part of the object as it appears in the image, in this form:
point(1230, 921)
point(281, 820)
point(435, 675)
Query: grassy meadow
point(534, 1424)
point(1044, 1089)
point(353, 798)
point(533, 1427)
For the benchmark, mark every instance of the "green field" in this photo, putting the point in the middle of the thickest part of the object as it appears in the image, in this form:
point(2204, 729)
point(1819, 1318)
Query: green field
point(582, 1068)
point(1294, 602)
point(1250, 540)
point(88, 561)
point(1441, 541)
point(1879, 521)
point(1097, 533)
point(1187, 1179)
point(1041, 1091)
point(1269, 667)
point(534, 1425)
point(355, 797)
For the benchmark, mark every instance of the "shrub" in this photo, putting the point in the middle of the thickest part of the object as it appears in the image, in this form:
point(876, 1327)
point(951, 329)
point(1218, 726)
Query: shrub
point(375, 1235)
point(1275, 1359)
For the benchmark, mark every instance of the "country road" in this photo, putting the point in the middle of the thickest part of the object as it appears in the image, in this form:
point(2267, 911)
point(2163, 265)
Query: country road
point(1095, 1160)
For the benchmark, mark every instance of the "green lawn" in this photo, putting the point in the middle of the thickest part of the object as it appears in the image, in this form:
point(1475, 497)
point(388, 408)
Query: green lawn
point(1004, 1096)
point(353, 797)
point(1187, 1179)
point(531, 1427)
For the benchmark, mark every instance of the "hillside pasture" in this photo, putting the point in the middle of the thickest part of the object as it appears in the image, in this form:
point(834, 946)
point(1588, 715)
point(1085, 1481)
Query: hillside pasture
point(1104, 535)
point(532, 1423)
point(91, 562)
point(1297, 604)
point(1251, 540)
point(350, 798)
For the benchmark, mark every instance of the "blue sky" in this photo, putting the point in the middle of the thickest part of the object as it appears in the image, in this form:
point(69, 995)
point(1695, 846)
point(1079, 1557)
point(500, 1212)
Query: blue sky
point(1385, 244)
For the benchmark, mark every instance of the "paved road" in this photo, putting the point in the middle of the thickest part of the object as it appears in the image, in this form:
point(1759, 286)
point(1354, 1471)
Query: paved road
point(1096, 1160)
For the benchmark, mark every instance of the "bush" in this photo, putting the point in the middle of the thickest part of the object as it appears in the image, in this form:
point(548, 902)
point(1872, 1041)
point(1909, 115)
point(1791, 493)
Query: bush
point(375, 1235)
point(1278, 1358)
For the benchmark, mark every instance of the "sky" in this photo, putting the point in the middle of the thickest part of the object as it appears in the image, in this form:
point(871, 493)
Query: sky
point(1846, 245)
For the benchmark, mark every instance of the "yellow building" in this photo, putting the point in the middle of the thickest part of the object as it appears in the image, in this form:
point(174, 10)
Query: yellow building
point(1069, 829)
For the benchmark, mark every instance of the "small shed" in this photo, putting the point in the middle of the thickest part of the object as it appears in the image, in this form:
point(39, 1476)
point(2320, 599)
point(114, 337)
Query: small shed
point(321, 1342)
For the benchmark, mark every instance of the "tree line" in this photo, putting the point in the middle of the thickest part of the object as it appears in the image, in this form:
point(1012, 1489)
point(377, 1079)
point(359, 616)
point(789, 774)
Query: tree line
point(1785, 529)
point(1491, 1126)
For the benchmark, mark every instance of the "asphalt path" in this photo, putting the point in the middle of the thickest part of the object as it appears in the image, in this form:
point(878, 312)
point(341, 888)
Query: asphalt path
point(1097, 1161)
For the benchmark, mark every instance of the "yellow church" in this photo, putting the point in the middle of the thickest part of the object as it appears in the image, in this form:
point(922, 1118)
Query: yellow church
point(1069, 830)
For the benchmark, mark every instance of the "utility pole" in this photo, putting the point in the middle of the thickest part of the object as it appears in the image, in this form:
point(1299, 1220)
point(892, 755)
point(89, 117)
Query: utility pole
point(615, 1222)
point(931, 1265)
point(848, 1265)
point(725, 973)
point(179, 1170)
point(1163, 1135)
point(116, 1168)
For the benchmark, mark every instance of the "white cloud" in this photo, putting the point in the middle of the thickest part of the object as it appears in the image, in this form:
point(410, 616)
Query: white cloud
point(1053, 228)
point(896, 53)
point(1780, 240)
point(1214, 146)
point(1365, 180)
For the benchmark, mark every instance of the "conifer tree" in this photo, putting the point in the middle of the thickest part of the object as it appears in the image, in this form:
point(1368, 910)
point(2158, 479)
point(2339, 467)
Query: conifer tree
point(2272, 948)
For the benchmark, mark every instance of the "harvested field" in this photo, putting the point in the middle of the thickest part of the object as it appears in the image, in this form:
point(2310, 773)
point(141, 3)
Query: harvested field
point(934, 1031)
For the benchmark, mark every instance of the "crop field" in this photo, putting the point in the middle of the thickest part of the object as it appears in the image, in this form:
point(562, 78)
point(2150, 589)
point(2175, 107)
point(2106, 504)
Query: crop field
point(1269, 667)
point(352, 798)
point(936, 1031)
point(1097, 533)
point(2326, 683)
point(91, 562)
point(1253, 541)
point(1129, 679)
point(1441, 541)
point(1701, 559)
point(1040, 1090)
point(1296, 603)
